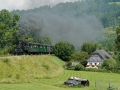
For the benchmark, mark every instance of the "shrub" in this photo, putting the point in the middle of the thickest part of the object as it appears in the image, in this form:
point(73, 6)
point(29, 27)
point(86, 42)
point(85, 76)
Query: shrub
point(17, 76)
point(68, 64)
point(109, 64)
point(79, 67)
point(6, 60)
point(71, 68)
point(79, 57)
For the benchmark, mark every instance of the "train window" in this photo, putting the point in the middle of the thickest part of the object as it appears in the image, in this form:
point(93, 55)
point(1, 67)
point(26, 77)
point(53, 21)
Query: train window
point(40, 46)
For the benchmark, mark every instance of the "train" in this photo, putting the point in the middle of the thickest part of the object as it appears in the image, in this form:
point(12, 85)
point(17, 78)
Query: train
point(33, 48)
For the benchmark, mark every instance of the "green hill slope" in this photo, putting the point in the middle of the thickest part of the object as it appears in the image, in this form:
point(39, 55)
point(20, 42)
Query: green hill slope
point(19, 69)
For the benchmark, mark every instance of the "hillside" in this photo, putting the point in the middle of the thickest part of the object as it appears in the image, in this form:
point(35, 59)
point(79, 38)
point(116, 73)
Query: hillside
point(20, 69)
point(107, 39)
point(71, 20)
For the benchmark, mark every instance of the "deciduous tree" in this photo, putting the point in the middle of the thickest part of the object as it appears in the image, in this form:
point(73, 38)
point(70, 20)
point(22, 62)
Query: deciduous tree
point(63, 50)
point(79, 57)
point(8, 28)
point(89, 47)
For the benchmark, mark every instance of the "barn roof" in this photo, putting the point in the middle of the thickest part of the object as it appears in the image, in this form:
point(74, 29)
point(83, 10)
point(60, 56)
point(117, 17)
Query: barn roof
point(102, 53)
point(98, 56)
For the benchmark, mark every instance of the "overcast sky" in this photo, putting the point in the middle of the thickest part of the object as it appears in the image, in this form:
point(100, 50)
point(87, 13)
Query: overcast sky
point(27, 4)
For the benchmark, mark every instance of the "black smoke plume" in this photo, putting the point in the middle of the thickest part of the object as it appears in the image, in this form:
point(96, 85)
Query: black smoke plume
point(60, 28)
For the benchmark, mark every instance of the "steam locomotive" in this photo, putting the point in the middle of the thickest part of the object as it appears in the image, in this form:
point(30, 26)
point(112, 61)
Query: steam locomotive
point(33, 48)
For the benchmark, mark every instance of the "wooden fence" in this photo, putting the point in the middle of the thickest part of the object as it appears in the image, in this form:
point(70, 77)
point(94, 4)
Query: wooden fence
point(108, 86)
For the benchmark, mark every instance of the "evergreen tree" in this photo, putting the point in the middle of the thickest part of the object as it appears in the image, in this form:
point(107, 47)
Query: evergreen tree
point(117, 45)
point(117, 40)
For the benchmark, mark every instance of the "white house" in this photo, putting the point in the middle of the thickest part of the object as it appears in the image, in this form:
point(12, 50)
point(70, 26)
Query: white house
point(97, 58)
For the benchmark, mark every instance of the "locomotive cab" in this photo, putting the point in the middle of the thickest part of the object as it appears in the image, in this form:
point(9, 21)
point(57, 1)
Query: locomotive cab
point(18, 50)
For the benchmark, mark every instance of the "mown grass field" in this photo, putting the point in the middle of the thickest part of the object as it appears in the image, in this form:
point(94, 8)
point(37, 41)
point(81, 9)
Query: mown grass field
point(102, 79)
point(56, 83)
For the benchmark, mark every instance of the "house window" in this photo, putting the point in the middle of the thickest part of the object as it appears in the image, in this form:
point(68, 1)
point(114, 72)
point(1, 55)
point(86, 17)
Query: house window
point(90, 64)
point(93, 64)
point(40, 46)
point(97, 64)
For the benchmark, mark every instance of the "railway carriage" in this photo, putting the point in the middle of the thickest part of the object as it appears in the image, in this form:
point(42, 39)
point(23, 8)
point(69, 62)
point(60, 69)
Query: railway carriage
point(33, 48)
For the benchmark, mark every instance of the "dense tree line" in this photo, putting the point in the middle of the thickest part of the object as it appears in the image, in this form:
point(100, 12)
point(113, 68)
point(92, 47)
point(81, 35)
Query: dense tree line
point(117, 40)
point(117, 45)
point(107, 39)
point(107, 11)
point(30, 38)
point(8, 30)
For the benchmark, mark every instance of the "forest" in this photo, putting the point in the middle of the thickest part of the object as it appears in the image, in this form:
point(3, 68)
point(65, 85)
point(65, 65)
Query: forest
point(76, 22)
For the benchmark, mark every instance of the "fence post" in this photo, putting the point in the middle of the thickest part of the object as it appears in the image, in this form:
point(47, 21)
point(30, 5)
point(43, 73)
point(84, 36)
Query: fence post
point(95, 84)
point(109, 86)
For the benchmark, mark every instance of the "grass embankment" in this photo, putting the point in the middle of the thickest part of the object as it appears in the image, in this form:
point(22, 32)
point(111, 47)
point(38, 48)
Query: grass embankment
point(20, 69)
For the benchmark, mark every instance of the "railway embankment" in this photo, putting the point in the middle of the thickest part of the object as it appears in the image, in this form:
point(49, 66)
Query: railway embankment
point(24, 69)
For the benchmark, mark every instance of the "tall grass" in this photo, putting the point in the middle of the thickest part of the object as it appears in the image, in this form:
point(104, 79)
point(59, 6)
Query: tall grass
point(22, 69)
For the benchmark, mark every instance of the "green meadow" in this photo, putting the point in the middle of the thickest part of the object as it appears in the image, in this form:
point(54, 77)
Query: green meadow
point(48, 79)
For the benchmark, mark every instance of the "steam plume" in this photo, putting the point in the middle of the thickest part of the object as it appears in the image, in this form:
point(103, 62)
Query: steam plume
point(61, 28)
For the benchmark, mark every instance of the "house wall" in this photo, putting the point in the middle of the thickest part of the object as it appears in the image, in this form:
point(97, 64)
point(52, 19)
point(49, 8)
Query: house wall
point(94, 61)
point(93, 64)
